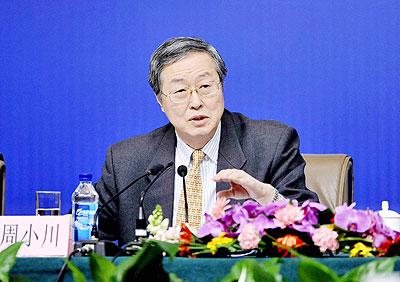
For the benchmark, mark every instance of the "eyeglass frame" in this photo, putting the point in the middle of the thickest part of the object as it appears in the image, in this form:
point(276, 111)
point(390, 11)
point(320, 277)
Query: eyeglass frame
point(191, 91)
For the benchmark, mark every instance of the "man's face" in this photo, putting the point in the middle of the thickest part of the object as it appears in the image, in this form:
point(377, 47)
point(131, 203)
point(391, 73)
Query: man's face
point(196, 120)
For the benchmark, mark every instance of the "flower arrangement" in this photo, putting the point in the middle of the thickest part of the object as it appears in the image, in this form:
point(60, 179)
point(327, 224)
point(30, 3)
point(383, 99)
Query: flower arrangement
point(282, 229)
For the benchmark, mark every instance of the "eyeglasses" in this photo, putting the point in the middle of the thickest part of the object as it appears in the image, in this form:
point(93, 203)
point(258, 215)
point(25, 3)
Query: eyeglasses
point(206, 90)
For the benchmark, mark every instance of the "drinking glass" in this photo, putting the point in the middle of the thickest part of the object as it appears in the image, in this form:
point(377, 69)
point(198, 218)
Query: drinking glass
point(48, 202)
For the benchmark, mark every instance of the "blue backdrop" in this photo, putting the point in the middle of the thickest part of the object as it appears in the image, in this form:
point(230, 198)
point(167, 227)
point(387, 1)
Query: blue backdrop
point(73, 80)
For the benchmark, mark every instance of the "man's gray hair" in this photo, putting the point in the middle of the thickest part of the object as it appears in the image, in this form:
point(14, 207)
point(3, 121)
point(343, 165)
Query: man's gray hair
point(177, 48)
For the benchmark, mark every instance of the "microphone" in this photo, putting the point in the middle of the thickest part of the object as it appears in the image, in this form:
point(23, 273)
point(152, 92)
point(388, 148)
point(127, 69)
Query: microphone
point(152, 171)
point(182, 171)
point(140, 230)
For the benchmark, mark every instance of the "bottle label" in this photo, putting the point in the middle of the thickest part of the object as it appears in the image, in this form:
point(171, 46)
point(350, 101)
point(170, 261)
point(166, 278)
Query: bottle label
point(83, 220)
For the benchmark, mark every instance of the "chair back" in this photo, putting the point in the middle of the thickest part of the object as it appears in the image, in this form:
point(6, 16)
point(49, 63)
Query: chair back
point(331, 177)
point(2, 183)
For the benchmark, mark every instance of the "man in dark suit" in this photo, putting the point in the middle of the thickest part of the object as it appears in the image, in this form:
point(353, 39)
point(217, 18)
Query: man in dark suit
point(241, 158)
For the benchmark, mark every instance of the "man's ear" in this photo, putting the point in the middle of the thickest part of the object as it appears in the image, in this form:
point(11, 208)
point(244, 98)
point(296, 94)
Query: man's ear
point(160, 103)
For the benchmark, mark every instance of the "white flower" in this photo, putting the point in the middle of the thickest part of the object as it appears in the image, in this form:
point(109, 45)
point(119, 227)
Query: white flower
point(170, 235)
point(159, 227)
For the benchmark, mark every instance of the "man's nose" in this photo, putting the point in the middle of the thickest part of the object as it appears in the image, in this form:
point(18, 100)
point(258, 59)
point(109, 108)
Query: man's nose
point(195, 100)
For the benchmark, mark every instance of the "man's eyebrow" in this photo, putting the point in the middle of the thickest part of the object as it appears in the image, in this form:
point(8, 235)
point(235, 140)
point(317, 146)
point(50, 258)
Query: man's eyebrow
point(176, 80)
point(204, 74)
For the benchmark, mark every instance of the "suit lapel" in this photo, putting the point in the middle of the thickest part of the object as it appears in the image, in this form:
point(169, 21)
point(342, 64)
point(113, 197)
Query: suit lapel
point(230, 153)
point(162, 191)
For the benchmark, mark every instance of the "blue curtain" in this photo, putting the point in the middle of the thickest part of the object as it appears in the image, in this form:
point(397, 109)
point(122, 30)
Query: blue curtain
point(73, 80)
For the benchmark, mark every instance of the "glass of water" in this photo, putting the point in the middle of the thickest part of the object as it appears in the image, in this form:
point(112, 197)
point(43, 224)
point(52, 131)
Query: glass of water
point(48, 202)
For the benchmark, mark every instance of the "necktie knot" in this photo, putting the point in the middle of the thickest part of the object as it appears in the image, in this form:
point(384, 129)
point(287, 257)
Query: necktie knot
point(197, 157)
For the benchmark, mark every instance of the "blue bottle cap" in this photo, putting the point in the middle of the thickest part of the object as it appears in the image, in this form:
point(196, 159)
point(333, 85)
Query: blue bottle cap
point(85, 177)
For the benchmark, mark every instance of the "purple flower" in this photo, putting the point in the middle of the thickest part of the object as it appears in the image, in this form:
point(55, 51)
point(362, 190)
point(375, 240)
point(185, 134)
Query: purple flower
point(380, 231)
point(239, 214)
point(380, 227)
point(271, 208)
point(252, 208)
point(261, 222)
point(378, 239)
point(304, 226)
point(233, 215)
point(353, 220)
point(227, 219)
point(211, 227)
point(343, 208)
point(311, 210)
point(310, 219)
point(313, 205)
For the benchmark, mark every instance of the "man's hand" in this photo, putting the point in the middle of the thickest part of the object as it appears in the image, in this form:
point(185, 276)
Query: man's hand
point(244, 186)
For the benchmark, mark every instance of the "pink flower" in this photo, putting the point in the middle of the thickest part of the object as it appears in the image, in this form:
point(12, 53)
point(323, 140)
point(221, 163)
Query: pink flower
point(249, 238)
point(288, 215)
point(325, 239)
point(221, 205)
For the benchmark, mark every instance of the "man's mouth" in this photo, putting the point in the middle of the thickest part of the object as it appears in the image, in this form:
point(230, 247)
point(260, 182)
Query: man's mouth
point(198, 118)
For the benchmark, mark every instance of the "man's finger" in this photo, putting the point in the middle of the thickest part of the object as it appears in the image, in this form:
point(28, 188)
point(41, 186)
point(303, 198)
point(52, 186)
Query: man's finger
point(229, 175)
point(226, 194)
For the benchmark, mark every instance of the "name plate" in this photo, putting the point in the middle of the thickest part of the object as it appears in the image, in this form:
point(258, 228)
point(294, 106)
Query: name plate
point(43, 236)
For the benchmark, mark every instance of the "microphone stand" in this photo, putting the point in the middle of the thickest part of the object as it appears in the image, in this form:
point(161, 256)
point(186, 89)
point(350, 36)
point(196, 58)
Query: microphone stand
point(106, 247)
point(94, 233)
point(140, 230)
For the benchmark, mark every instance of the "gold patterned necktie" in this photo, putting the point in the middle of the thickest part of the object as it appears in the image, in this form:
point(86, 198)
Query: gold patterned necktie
point(194, 193)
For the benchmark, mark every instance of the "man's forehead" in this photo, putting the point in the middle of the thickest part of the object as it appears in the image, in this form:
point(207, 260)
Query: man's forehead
point(194, 65)
point(180, 78)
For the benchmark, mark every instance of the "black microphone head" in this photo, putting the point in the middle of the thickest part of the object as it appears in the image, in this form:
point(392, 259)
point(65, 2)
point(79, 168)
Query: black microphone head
point(155, 169)
point(182, 170)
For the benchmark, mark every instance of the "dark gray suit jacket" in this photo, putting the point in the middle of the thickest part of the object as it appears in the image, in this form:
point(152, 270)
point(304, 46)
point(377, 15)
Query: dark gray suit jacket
point(267, 150)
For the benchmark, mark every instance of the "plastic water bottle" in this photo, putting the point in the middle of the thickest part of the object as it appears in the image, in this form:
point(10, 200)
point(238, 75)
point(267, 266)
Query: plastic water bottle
point(85, 202)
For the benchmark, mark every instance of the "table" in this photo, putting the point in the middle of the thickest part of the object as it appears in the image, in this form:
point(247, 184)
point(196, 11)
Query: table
point(199, 269)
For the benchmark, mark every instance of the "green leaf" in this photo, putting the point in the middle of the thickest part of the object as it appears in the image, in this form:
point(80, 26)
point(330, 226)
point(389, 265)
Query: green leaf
point(170, 248)
point(296, 254)
point(249, 270)
point(101, 268)
point(17, 278)
point(7, 260)
point(76, 273)
point(174, 278)
point(370, 268)
point(273, 265)
point(355, 239)
point(310, 270)
point(145, 265)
